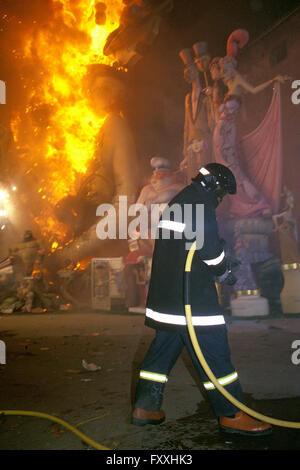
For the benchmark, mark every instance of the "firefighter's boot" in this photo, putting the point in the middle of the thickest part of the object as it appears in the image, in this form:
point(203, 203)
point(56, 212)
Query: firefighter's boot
point(149, 397)
point(241, 423)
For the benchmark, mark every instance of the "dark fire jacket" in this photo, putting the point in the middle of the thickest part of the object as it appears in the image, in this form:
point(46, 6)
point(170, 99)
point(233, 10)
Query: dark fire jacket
point(175, 234)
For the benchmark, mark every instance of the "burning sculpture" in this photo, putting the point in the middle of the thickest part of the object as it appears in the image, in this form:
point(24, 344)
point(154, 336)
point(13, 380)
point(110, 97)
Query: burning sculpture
point(55, 127)
point(74, 145)
point(139, 25)
point(27, 252)
point(112, 172)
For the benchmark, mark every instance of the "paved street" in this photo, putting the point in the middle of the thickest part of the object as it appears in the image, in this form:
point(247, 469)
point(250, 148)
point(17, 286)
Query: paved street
point(44, 372)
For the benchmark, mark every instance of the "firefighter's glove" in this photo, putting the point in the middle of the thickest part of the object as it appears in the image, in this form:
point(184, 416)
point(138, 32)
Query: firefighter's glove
point(230, 279)
point(232, 264)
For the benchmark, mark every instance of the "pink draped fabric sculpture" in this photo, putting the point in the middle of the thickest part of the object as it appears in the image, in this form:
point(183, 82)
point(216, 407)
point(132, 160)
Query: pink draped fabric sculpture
point(255, 160)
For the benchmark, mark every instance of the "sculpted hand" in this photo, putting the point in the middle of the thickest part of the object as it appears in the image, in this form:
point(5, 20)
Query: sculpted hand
point(183, 164)
point(281, 78)
point(208, 91)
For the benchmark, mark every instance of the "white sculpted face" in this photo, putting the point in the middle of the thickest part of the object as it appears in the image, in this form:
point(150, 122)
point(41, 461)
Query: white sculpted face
point(215, 72)
point(197, 145)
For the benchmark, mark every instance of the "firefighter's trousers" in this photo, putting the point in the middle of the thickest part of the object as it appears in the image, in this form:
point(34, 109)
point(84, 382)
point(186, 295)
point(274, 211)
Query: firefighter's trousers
point(162, 356)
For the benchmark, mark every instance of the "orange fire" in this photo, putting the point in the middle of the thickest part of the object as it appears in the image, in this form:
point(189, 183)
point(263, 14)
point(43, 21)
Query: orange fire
point(55, 132)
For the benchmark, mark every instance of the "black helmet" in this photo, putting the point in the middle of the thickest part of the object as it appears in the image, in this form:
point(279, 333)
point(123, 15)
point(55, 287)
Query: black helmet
point(214, 177)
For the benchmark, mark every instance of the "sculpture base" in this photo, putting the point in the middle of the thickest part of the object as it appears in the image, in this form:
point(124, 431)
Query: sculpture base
point(249, 304)
point(290, 295)
point(141, 310)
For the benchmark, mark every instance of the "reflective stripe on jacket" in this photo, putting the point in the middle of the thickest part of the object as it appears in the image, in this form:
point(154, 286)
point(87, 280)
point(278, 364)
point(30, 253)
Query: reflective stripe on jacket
point(165, 301)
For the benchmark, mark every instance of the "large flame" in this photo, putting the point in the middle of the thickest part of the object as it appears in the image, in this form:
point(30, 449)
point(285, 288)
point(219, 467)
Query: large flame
point(55, 132)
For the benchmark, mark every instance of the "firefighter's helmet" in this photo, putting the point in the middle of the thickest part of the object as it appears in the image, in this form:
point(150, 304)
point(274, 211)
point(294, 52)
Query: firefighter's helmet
point(216, 177)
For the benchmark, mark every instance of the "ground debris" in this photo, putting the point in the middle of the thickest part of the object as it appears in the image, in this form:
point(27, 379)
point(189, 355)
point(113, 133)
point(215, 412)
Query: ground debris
point(57, 429)
point(91, 366)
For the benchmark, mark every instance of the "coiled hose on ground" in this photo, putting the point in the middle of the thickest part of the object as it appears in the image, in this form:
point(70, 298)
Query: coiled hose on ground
point(208, 371)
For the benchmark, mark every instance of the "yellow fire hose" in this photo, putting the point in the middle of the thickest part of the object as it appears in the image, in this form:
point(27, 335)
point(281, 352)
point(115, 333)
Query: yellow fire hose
point(191, 329)
point(63, 423)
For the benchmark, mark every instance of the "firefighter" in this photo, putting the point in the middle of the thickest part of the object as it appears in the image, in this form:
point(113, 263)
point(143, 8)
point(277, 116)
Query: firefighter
point(177, 230)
